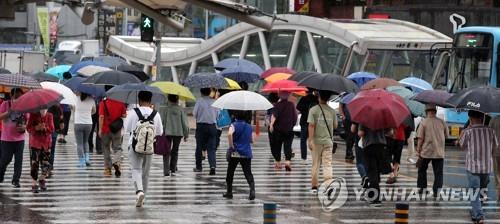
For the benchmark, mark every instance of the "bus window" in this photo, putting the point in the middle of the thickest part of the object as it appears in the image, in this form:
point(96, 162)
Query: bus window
point(399, 64)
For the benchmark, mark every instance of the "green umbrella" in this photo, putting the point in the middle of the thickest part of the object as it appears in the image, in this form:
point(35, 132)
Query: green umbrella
point(416, 108)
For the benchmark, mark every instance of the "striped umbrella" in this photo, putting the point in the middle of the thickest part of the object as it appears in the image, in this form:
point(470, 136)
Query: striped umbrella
point(17, 80)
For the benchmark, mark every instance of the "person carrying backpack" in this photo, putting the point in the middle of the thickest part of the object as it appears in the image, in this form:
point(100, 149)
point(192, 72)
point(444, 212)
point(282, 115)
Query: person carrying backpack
point(143, 124)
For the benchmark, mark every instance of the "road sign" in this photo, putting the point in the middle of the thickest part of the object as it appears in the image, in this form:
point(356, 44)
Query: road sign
point(147, 28)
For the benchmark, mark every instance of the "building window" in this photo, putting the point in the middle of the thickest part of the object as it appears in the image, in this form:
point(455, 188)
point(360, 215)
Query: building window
point(232, 51)
point(205, 65)
point(279, 44)
point(254, 51)
point(332, 55)
point(182, 71)
point(165, 74)
point(303, 60)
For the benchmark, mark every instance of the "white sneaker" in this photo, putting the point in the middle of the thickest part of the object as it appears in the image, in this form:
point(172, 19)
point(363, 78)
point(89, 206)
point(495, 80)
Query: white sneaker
point(411, 161)
point(314, 190)
point(140, 199)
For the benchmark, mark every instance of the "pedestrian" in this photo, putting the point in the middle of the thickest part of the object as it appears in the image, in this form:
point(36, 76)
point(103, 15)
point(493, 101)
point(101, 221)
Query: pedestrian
point(40, 128)
point(66, 118)
point(111, 115)
point(175, 127)
point(84, 108)
point(282, 121)
point(303, 106)
point(240, 139)
point(411, 141)
point(206, 132)
point(141, 163)
point(350, 137)
point(431, 134)
point(360, 160)
point(273, 99)
point(395, 144)
point(478, 141)
point(322, 120)
point(495, 124)
point(57, 118)
point(12, 139)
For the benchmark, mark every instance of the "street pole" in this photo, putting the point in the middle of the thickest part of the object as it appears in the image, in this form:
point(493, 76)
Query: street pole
point(158, 50)
point(206, 24)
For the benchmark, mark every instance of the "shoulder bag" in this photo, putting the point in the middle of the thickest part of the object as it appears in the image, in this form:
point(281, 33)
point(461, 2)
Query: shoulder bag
point(116, 125)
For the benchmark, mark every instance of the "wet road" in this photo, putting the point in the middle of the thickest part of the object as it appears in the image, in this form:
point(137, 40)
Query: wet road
point(78, 195)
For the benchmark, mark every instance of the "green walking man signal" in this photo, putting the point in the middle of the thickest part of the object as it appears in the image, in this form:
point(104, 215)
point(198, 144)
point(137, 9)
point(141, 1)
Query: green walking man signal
point(147, 28)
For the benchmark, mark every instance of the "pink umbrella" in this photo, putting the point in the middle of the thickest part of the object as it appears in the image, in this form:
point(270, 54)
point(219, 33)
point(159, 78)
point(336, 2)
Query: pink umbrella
point(275, 70)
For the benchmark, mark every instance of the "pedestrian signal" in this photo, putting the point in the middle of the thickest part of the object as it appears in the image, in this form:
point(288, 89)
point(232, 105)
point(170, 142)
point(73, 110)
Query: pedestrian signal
point(147, 28)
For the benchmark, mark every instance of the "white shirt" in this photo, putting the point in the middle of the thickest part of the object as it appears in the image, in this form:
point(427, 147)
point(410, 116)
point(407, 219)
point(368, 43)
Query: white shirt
point(132, 119)
point(83, 111)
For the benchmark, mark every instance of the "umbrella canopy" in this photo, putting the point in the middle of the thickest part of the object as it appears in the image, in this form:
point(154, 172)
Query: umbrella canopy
point(4, 71)
point(91, 70)
point(205, 80)
point(301, 75)
point(112, 78)
point(416, 108)
point(233, 85)
point(113, 62)
point(347, 98)
point(380, 83)
point(378, 109)
point(277, 77)
point(82, 64)
point(242, 74)
point(43, 77)
point(330, 82)
point(17, 80)
point(68, 96)
point(485, 99)
point(134, 71)
point(36, 100)
point(127, 93)
point(235, 62)
point(361, 78)
point(436, 97)
point(275, 70)
point(283, 86)
point(242, 100)
point(66, 58)
point(58, 71)
point(415, 84)
point(175, 89)
point(76, 85)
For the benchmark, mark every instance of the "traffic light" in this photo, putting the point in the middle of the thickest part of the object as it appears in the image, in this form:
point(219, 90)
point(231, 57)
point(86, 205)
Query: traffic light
point(147, 28)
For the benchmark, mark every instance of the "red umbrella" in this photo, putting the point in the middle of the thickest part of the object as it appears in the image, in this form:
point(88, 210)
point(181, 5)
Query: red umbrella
point(378, 109)
point(380, 83)
point(283, 86)
point(275, 70)
point(36, 100)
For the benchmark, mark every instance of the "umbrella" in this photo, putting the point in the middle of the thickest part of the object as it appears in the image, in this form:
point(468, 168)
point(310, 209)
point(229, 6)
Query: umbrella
point(234, 62)
point(415, 84)
point(205, 80)
point(485, 99)
point(4, 71)
point(66, 59)
point(90, 70)
point(42, 77)
point(242, 74)
point(36, 100)
point(17, 80)
point(301, 75)
point(380, 83)
point(134, 71)
point(68, 95)
point(283, 86)
point(127, 93)
point(330, 82)
point(112, 78)
point(277, 76)
point(113, 62)
point(275, 70)
point(378, 109)
point(242, 100)
point(175, 89)
point(360, 78)
point(347, 98)
point(436, 97)
point(416, 108)
point(233, 85)
point(82, 64)
point(75, 84)
point(58, 71)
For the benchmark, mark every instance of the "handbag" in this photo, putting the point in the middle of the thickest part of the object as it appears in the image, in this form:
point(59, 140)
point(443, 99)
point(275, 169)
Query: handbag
point(418, 164)
point(116, 125)
point(163, 145)
point(334, 144)
point(223, 119)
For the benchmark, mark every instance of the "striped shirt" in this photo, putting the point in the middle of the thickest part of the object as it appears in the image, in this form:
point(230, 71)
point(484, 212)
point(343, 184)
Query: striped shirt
point(479, 142)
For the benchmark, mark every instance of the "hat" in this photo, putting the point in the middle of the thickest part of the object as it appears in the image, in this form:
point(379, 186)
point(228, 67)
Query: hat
point(430, 107)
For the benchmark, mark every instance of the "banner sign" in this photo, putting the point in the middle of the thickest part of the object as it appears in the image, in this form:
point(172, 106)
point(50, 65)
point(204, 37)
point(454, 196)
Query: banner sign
point(43, 26)
point(302, 6)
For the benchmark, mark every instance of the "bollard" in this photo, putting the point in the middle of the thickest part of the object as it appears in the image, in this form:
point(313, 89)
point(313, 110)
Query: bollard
point(401, 214)
point(270, 213)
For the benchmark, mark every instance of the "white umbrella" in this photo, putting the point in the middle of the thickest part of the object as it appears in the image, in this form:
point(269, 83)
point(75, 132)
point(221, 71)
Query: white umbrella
point(242, 100)
point(90, 70)
point(69, 97)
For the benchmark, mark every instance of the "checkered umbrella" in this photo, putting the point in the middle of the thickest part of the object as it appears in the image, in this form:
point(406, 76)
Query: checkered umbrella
point(17, 80)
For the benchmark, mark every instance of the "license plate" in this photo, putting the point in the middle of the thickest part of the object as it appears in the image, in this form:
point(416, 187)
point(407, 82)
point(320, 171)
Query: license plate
point(455, 131)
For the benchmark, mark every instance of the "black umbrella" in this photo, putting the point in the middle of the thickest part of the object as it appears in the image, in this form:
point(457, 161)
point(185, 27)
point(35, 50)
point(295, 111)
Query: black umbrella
point(134, 71)
point(128, 93)
point(301, 75)
point(330, 82)
point(484, 99)
point(43, 77)
point(436, 97)
point(4, 71)
point(112, 78)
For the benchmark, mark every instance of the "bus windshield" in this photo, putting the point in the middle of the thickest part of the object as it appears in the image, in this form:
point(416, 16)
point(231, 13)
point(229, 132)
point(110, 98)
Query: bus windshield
point(399, 64)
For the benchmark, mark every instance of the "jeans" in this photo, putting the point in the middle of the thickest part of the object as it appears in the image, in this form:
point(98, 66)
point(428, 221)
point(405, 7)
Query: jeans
point(350, 139)
point(112, 149)
point(360, 160)
point(206, 136)
point(374, 159)
point(82, 133)
point(304, 134)
point(53, 150)
point(437, 167)
point(140, 165)
point(476, 182)
point(321, 156)
point(170, 161)
point(9, 150)
point(284, 139)
point(246, 165)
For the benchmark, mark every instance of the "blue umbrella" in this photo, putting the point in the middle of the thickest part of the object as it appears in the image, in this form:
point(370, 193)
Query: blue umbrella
point(82, 64)
point(360, 78)
point(416, 85)
point(347, 98)
point(242, 74)
point(58, 71)
point(127, 93)
point(206, 80)
point(75, 84)
point(235, 62)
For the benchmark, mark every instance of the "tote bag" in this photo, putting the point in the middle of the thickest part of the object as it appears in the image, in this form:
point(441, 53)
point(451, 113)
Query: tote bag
point(163, 145)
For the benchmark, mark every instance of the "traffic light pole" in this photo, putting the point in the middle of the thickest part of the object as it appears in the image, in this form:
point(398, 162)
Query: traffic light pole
point(158, 50)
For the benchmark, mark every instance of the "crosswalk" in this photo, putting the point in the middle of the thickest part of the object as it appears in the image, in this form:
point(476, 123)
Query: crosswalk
point(77, 195)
